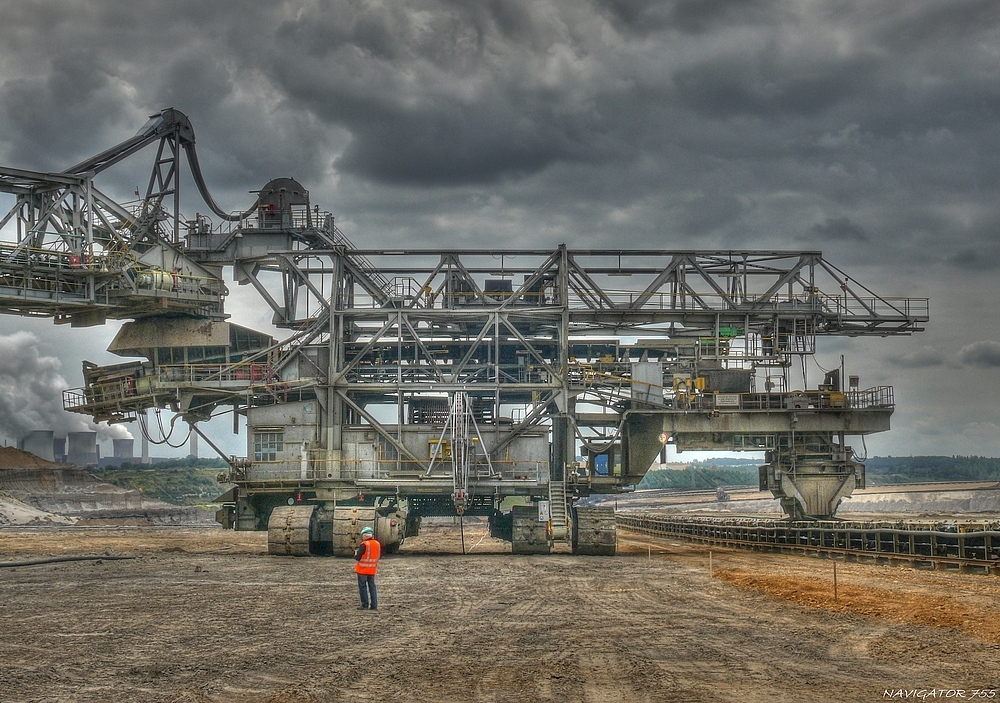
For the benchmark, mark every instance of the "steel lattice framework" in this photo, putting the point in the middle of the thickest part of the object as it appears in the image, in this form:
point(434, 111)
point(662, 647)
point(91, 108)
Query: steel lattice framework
point(558, 353)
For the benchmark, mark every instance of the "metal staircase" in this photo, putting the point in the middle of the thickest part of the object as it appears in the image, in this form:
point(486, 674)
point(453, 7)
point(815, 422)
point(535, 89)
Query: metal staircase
point(557, 510)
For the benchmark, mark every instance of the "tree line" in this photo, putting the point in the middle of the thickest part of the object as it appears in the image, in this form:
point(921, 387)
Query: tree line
point(190, 481)
point(185, 481)
point(879, 471)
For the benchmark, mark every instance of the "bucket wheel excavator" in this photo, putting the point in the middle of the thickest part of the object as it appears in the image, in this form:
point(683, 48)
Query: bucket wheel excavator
point(416, 382)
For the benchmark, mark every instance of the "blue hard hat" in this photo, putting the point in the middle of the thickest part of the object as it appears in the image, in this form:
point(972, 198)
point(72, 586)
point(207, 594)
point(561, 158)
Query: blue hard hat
point(367, 531)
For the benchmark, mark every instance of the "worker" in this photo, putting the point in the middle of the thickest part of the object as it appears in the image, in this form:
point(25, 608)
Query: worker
point(367, 555)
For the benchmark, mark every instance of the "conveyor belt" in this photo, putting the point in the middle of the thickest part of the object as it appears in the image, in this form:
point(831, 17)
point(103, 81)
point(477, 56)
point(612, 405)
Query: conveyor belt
point(968, 546)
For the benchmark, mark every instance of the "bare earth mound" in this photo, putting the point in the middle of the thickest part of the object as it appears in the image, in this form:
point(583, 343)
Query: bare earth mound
point(13, 458)
point(34, 491)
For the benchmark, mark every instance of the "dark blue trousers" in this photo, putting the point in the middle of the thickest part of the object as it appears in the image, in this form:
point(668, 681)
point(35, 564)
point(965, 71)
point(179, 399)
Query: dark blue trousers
point(366, 585)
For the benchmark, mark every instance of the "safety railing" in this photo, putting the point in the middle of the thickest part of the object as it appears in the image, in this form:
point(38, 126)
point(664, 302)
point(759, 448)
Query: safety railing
point(316, 467)
point(65, 274)
point(238, 374)
point(867, 308)
point(880, 397)
point(120, 396)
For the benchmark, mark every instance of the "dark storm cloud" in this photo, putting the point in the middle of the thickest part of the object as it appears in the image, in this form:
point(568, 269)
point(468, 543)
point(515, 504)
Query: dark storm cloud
point(838, 229)
point(985, 257)
point(985, 354)
point(765, 85)
point(644, 107)
point(81, 90)
point(919, 358)
point(643, 17)
point(470, 145)
point(707, 213)
point(447, 95)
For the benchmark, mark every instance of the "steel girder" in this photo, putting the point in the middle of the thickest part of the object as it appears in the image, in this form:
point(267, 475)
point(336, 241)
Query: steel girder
point(408, 323)
point(666, 287)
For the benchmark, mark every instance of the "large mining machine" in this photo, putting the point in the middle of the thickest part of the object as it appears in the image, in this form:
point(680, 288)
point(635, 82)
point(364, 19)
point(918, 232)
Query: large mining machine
point(420, 382)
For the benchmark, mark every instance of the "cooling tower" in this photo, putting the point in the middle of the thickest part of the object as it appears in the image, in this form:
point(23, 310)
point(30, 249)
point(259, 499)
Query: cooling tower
point(82, 448)
point(39, 443)
point(124, 448)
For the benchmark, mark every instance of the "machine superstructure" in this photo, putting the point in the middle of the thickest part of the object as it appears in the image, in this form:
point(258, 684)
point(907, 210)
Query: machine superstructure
point(416, 382)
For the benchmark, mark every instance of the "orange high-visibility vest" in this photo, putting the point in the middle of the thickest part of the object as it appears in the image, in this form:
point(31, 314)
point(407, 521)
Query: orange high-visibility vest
point(369, 560)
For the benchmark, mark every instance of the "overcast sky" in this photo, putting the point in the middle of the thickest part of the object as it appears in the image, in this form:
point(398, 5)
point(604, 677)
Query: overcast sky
point(866, 130)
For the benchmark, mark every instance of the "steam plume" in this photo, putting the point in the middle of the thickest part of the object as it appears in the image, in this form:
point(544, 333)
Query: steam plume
point(31, 387)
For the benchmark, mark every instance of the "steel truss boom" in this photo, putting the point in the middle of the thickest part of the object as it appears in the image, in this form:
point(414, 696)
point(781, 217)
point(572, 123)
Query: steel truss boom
point(79, 256)
point(173, 130)
point(679, 287)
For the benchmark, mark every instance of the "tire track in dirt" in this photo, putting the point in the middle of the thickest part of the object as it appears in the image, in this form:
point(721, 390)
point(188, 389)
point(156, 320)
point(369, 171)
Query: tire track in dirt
point(243, 628)
point(919, 609)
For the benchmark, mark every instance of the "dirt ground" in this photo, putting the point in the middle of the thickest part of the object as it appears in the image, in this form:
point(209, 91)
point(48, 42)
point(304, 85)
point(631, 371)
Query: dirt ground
point(203, 615)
